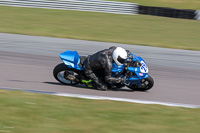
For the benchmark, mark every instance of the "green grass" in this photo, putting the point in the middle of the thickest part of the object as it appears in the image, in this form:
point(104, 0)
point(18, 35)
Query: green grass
point(180, 4)
point(129, 29)
point(23, 112)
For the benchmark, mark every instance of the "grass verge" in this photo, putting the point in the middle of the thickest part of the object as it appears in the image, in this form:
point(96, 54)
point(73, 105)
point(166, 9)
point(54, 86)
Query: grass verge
point(24, 112)
point(129, 29)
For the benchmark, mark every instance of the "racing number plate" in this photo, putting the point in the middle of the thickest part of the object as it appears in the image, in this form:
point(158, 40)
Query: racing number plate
point(144, 68)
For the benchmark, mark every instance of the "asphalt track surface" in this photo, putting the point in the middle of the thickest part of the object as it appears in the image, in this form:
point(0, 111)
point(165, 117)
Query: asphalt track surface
point(27, 62)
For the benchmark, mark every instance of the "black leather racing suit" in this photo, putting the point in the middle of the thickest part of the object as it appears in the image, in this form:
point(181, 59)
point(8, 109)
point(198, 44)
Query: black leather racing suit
point(101, 62)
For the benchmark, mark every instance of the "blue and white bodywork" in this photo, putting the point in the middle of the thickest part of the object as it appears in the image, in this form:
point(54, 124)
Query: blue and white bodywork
point(71, 59)
point(139, 72)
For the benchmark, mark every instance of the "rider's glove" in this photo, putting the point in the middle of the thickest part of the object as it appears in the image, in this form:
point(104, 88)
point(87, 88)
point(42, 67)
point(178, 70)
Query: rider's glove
point(129, 59)
point(130, 56)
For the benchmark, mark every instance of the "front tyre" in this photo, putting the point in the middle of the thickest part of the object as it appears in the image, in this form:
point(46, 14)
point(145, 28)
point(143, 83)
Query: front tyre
point(146, 85)
point(61, 72)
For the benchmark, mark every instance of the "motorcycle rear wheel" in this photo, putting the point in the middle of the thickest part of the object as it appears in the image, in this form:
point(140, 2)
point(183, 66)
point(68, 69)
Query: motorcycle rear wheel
point(149, 82)
point(61, 71)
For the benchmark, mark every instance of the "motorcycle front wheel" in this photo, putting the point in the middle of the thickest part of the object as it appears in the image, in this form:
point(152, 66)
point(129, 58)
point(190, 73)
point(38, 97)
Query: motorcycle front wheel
point(65, 75)
point(147, 85)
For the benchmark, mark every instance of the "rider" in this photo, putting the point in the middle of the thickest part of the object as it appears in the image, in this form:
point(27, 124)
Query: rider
point(103, 60)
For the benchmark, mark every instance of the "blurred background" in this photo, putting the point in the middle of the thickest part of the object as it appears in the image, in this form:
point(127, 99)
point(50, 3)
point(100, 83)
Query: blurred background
point(34, 32)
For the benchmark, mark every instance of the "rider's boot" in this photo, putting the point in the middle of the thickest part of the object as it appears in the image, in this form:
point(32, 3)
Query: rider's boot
point(87, 83)
point(102, 87)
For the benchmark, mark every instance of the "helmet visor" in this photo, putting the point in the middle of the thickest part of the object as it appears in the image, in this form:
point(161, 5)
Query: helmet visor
point(121, 60)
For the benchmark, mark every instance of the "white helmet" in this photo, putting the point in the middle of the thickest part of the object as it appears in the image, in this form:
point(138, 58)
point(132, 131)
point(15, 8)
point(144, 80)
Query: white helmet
point(119, 56)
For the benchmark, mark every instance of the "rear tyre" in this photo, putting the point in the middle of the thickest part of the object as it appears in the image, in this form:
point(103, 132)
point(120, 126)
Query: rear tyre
point(61, 72)
point(147, 85)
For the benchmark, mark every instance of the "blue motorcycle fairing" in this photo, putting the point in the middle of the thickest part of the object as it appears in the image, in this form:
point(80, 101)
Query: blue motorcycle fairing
point(71, 59)
point(116, 69)
point(139, 75)
point(136, 79)
point(134, 69)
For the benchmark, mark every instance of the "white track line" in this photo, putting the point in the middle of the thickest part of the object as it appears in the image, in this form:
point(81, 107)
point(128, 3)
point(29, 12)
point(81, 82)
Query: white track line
point(126, 100)
point(107, 98)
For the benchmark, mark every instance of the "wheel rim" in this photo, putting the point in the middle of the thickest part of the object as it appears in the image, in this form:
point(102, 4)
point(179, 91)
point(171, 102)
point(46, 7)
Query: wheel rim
point(62, 78)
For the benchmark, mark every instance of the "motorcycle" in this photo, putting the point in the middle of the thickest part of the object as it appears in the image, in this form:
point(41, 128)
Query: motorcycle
point(71, 72)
